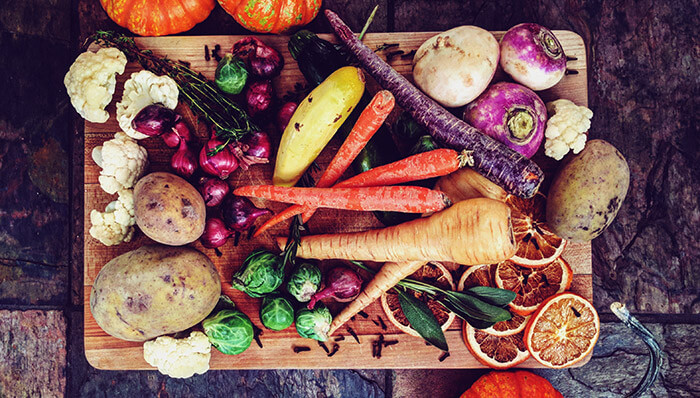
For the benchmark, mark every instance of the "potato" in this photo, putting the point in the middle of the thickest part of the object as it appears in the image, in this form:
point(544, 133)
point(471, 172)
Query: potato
point(168, 209)
point(154, 290)
point(454, 67)
point(588, 191)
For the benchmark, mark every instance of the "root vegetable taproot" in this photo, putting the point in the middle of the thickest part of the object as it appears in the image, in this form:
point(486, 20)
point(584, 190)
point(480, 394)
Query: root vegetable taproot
point(436, 163)
point(403, 199)
point(500, 164)
point(387, 277)
point(475, 231)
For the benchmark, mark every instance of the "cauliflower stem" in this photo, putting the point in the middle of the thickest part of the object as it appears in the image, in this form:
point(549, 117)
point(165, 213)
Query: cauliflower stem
point(230, 121)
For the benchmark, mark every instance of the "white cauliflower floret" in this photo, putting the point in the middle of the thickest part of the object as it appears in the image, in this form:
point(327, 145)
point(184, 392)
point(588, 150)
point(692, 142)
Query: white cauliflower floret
point(90, 82)
point(142, 89)
point(116, 224)
point(123, 162)
point(566, 128)
point(179, 358)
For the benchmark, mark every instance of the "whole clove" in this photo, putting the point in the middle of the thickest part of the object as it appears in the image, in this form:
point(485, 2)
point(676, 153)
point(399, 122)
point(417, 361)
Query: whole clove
point(390, 343)
point(218, 252)
point(339, 338)
point(375, 322)
point(257, 332)
point(377, 346)
point(335, 349)
point(215, 53)
point(571, 72)
point(298, 349)
point(207, 57)
point(381, 322)
point(444, 356)
point(363, 314)
point(353, 334)
point(323, 345)
point(409, 54)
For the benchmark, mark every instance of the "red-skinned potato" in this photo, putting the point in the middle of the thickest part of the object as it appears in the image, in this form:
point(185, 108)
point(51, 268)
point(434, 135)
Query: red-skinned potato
point(454, 67)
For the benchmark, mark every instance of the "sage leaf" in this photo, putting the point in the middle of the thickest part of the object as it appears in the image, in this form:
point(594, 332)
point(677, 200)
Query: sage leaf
point(479, 324)
point(492, 295)
point(422, 320)
point(475, 308)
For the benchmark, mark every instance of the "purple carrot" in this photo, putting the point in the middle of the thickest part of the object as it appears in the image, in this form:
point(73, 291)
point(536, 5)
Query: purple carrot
point(500, 164)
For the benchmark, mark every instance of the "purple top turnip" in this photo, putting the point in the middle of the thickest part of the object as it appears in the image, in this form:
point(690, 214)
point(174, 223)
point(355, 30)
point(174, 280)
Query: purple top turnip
point(533, 56)
point(510, 113)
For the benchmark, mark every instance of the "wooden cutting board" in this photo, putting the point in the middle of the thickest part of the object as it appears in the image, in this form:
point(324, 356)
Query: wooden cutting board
point(106, 352)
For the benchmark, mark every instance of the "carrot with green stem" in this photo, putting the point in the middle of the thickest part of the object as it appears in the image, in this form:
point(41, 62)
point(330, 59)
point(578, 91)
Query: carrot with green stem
point(369, 121)
point(397, 198)
point(474, 231)
point(435, 163)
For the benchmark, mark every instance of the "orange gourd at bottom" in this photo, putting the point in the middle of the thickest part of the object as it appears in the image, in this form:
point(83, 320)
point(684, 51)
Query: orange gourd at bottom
point(512, 384)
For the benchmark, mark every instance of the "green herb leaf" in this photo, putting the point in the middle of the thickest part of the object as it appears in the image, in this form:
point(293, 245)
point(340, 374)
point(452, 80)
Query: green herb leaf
point(422, 320)
point(470, 306)
point(479, 324)
point(492, 295)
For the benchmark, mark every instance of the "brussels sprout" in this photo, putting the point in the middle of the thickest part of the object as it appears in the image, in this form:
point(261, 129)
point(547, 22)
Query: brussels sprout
point(231, 74)
point(230, 331)
point(276, 313)
point(314, 324)
point(262, 272)
point(304, 282)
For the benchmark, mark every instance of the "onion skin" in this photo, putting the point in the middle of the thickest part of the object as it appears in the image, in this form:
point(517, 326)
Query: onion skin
point(220, 165)
point(240, 213)
point(213, 190)
point(215, 234)
point(532, 56)
point(500, 111)
point(284, 114)
point(258, 97)
point(184, 161)
point(154, 120)
point(342, 283)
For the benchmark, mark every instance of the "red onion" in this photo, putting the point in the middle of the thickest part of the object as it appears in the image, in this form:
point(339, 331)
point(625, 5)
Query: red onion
point(154, 120)
point(181, 129)
point(342, 283)
point(215, 233)
point(213, 190)
point(240, 213)
point(285, 113)
point(220, 165)
point(258, 97)
point(263, 60)
point(171, 138)
point(258, 145)
point(184, 161)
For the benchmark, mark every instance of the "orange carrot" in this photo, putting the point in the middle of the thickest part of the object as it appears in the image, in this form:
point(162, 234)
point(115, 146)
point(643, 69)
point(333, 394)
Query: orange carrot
point(400, 198)
point(435, 163)
point(474, 231)
point(369, 121)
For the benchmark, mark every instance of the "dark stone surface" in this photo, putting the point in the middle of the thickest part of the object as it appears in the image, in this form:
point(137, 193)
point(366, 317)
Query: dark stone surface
point(32, 354)
point(643, 63)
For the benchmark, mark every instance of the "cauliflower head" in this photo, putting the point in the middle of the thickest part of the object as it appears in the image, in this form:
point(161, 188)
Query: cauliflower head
point(142, 89)
point(566, 128)
point(123, 162)
point(180, 358)
point(116, 224)
point(90, 82)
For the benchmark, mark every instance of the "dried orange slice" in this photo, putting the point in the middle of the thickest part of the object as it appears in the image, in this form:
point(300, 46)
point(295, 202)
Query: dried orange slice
point(483, 275)
point(434, 273)
point(533, 285)
point(563, 331)
point(538, 245)
point(498, 352)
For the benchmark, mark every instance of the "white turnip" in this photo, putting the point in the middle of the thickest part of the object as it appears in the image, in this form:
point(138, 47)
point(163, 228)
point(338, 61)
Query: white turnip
point(455, 66)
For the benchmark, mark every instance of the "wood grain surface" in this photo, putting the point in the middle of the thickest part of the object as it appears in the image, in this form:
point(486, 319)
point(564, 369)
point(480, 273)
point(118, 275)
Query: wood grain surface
point(106, 352)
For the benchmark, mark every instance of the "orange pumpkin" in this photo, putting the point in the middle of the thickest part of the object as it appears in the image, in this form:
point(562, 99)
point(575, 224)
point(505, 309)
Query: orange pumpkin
point(158, 17)
point(515, 384)
point(271, 16)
